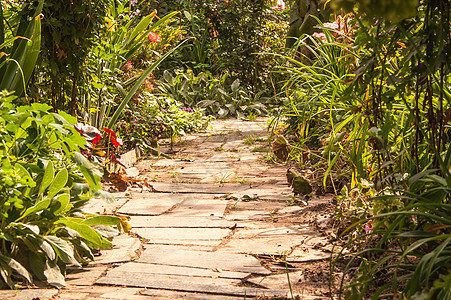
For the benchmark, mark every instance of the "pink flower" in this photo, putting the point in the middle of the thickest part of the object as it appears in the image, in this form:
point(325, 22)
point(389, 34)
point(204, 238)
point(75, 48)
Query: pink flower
point(320, 35)
point(149, 84)
point(127, 66)
point(280, 5)
point(369, 227)
point(153, 37)
point(332, 25)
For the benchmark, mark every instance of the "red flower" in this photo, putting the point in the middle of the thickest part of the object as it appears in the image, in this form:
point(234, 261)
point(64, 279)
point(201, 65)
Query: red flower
point(153, 37)
point(113, 138)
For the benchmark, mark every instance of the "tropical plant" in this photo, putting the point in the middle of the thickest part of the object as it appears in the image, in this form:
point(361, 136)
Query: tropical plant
point(326, 129)
point(68, 32)
point(20, 47)
point(44, 182)
point(112, 57)
point(215, 95)
point(154, 117)
point(405, 250)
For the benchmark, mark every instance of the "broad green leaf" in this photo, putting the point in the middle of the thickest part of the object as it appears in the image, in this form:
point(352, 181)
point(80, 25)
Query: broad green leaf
point(63, 249)
point(106, 231)
point(59, 127)
point(5, 273)
point(102, 220)
point(90, 171)
point(47, 179)
point(106, 196)
point(22, 171)
point(16, 266)
point(58, 183)
point(59, 203)
point(87, 250)
point(86, 232)
point(36, 208)
point(235, 85)
point(47, 248)
point(79, 188)
point(53, 274)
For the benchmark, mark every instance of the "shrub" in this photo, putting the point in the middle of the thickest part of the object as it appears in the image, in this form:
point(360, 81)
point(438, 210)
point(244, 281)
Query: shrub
point(44, 182)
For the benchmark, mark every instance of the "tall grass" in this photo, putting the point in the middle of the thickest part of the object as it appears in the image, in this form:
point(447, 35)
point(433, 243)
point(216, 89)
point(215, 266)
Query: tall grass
point(374, 104)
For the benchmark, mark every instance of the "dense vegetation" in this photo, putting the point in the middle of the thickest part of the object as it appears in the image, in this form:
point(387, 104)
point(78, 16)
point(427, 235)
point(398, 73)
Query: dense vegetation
point(360, 91)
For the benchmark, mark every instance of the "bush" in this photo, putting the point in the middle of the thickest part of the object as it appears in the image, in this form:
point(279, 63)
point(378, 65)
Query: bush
point(43, 184)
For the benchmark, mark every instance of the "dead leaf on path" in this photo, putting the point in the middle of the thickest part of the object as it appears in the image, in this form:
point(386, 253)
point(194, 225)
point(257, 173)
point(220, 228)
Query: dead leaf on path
point(281, 148)
point(118, 181)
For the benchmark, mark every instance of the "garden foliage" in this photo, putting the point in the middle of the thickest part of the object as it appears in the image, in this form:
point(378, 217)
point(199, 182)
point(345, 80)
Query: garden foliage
point(369, 98)
point(44, 182)
point(222, 68)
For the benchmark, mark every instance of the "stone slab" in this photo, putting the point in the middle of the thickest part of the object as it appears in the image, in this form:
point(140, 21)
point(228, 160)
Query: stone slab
point(129, 158)
point(167, 221)
point(306, 254)
point(201, 259)
point(100, 292)
point(144, 268)
point(262, 246)
point(183, 236)
point(234, 145)
point(85, 276)
point(267, 192)
point(196, 207)
point(277, 282)
point(193, 284)
point(42, 294)
point(124, 249)
point(132, 172)
point(156, 294)
point(163, 187)
point(164, 162)
point(223, 157)
point(100, 206)
point(290, 232)
point(153, 204)
point(245, 215)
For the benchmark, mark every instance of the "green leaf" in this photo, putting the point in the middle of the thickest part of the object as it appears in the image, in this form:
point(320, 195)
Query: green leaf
point(47, 248)
point(102, 220)
point(16, 266)
point(53, 274)
point(47, 179)
point(142, 25)
point(63, 249)
point(58, 183)
point(5, 273)
point(91, 236)
point(36, 208)
point(90, 171)
point(106, 196)
point(59, 203)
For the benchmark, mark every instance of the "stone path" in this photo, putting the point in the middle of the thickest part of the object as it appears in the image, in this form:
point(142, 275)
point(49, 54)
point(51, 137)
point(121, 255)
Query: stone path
point(217, 226)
